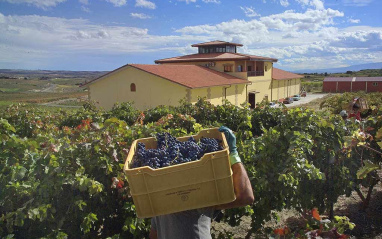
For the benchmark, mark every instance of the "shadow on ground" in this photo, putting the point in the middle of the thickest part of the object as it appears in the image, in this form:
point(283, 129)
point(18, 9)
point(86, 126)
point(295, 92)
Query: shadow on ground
point(368, 222)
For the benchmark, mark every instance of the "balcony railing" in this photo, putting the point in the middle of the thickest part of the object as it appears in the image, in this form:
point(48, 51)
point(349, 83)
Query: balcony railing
point(255, 73)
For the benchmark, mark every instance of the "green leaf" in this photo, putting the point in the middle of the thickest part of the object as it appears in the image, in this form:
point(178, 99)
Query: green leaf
point(365, 170)
point(132, 226)
point(20, 173)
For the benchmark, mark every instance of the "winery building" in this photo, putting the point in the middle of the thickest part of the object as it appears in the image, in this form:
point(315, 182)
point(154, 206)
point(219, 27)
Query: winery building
point(352, 84)
point(217, 72)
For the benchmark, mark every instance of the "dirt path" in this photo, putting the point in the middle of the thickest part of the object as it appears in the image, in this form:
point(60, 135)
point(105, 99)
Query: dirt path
point(58, 103)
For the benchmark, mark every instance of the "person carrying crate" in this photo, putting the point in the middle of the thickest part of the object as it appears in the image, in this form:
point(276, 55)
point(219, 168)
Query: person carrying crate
point(197, 223)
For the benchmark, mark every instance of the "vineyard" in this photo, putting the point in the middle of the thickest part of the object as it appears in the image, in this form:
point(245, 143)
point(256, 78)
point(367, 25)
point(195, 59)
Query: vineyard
point(61, 172)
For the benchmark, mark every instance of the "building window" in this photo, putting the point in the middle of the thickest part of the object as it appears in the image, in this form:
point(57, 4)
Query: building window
point(239, 68)
point(132, 87)
point(375, 83)
point(231, 49)
point(228, 68)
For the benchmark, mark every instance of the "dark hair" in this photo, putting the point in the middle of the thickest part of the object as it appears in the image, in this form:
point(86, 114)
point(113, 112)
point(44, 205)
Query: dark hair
point(356, 106)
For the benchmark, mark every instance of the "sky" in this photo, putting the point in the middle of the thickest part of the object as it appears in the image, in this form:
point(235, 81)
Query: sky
point(102, 35)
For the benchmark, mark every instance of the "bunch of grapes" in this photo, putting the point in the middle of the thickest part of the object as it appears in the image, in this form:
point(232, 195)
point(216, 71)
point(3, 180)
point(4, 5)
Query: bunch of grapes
point(171, 151)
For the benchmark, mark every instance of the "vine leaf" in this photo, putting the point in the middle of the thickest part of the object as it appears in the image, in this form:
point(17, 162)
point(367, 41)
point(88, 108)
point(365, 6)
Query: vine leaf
point(365, 170)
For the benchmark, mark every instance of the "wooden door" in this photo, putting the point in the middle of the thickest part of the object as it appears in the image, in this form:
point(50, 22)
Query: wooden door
point(252, 100)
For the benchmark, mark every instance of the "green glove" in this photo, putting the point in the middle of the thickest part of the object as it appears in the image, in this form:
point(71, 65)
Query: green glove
point(231, 140)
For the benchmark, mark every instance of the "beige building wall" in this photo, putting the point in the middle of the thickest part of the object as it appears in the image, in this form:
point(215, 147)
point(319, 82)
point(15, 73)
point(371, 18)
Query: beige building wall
point(153, 90)
point(236, 94)
point(285, 88)
point(150, 91)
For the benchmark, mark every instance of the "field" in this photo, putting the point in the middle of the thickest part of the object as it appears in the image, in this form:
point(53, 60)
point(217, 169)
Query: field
point(44, 88)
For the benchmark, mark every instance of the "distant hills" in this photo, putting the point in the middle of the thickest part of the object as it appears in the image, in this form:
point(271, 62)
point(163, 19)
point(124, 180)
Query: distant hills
point(51, 74)
point(95, 74)
point(368, 66)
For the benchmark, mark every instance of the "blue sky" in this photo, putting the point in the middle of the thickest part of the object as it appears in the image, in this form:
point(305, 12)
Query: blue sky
point(106, 34)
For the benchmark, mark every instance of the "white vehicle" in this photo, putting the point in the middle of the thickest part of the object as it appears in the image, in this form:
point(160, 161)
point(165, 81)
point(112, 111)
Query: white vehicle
point(272, 105)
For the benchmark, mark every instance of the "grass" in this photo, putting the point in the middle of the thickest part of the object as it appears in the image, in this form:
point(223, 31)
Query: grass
point(21, 85)
point(9, 89)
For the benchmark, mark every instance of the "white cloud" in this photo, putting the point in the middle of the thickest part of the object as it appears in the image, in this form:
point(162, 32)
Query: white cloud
point(300, 40)
point(44, 4)
point(117, 3)
point(211, 1)
point(360, 39)
point(235, 30)
point(358, 3)
point(51, 36)
point(140, 15)
point(145, 4)
point(86, 2)
point(295, 37)
point(308, 21)
point(249, 11)
point(354, 20)
point(318, 4)
point(284, 3)
point(303, 2)
point(187, 1)
point(85, 9)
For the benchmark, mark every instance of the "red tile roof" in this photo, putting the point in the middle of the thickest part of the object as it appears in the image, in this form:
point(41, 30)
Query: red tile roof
point(278, 74)
point(216, 43)
point(214, 57)
point(190, 76)
point(348, 79)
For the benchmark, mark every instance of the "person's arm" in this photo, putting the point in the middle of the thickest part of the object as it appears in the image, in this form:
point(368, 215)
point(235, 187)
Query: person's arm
point(242, 187)
point(153, 234)
point(153, 231)
point(241, 184)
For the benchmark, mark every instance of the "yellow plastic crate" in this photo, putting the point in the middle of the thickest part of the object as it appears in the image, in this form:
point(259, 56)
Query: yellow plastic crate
point(197, 184)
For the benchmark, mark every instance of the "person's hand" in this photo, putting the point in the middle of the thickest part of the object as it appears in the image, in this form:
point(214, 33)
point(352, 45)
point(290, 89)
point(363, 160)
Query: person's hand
point(231, 140)
point(230, 137)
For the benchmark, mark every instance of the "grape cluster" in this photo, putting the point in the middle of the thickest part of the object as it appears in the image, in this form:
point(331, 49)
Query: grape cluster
point(171, 151)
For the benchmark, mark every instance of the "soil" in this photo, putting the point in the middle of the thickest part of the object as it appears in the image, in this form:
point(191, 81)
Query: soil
point(368, 222)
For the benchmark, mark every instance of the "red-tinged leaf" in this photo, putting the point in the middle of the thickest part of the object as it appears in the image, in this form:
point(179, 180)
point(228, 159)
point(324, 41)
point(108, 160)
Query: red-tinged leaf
point(369, 128)
point(120, 184)
point(315, 214)
point(343, 236)
point(279, 231)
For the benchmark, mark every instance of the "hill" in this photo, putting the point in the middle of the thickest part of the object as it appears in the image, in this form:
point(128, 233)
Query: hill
point(50, 74)
point(377, 65)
